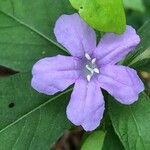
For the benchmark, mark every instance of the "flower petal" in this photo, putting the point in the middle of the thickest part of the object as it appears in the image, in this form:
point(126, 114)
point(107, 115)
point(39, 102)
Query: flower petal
point(75, 35)
point(121, 82)
point(86, 106)
point(54, 74)
point(112, 47)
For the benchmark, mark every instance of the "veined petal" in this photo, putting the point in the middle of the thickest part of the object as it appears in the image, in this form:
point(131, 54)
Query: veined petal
point(56, 63)
point(86, 106)
point(121, 82)
point(112, 47)
point(54, 74)
point(75, 35)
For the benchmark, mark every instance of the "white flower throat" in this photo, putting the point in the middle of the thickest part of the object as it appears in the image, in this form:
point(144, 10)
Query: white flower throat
point(90, 67)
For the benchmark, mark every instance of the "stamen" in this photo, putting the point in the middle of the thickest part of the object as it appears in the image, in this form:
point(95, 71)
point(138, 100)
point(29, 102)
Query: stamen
point(87, 56)
point(96, 70)
point(88, 78)
point(93, 60)
point(88, 68)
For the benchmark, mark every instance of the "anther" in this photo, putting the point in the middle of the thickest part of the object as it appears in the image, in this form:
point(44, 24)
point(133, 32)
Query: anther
point(93, 61)
point(96, 70)
point(88, 78)
point(87, 56)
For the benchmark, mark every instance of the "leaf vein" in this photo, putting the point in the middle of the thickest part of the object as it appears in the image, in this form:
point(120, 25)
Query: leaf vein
point(37, 108)
point(19, 135)
point(33, 29)
point(33, 137)
point(137, 126)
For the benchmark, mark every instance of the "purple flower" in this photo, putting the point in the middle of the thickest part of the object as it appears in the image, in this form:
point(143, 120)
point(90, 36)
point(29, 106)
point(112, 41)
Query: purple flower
point(90, 68)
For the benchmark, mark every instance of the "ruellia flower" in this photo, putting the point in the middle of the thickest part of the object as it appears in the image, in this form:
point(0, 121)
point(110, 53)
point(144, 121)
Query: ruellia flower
point(90, 68)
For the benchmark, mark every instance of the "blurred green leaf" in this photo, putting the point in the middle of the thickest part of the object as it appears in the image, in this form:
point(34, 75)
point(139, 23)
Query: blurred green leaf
point(112, 141)
point(29, 120)
point(94, 141)
point(137, 18)
point(26, 29)
point(140, 58)
point(132, 122)
point(102, 140)
point(134, 5)
point(106, 16)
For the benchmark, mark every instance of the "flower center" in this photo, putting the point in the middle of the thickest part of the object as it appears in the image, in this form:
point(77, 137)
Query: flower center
point(90, 67)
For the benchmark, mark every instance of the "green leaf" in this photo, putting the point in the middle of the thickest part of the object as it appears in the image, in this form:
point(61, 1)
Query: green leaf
point(132, 122)
point(94, 141)
point(76, 3)
point(112, 141)
point(106, 16)
point(29, 120)
point(134, 5)
point(26, 29)
point(140, 58)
